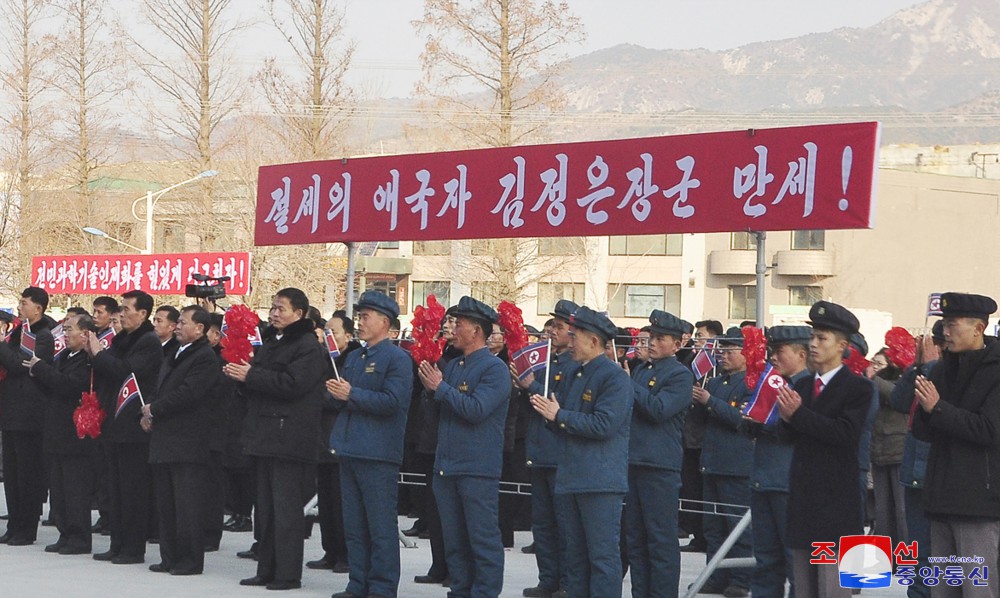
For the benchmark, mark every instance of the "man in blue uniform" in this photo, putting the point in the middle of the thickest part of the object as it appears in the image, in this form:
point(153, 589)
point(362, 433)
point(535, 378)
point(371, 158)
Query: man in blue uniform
point(726, 459)
point(373, 393)
point(474, 392)
point(591, 412)
point(772, 458)
point(661, 390)
point(543, 453)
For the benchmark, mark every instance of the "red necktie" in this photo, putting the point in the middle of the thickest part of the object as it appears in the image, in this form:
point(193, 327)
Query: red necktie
point(817, 387)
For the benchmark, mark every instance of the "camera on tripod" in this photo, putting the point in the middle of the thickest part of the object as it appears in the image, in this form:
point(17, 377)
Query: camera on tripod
point(208, 287)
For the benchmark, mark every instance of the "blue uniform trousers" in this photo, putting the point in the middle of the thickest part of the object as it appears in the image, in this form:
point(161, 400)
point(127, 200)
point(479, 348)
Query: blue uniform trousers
point(918, 526)
point(468, 507)
point(591, 524)
point(651, 531)
point(549, 545)
point(733, 490)
point(369, 490)
point(770, 547)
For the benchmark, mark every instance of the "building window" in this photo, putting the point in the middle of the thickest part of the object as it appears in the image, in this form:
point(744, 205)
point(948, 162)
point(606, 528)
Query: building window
point(804, 295)
point(646, 245)
point(441, 289)
point(809, 239)
point(560, 246)
point(638, 300)
point(432, 248)
point(743, 302)
point(743, 241)
point(551, 292)
point(487, 291)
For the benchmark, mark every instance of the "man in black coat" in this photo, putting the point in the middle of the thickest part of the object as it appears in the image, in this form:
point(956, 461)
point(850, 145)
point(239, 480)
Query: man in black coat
point(283, 385)
point(960, 416)
point(824, 416)
point(72, 475)
point(135, 353)
point(22, 411)
point(180, 427)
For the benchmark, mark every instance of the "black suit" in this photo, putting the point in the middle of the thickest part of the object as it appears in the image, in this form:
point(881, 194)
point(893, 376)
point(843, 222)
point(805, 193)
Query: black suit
point(22, 409)
point(71, 458)
point(825, 498)
point(179, 452)
point(129, 474)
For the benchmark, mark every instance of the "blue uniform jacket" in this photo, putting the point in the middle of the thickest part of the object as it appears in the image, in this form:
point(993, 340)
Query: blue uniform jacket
point(542, 445)
point(915, 452)
point(474, 397)
point(593, 424)
point(373, 419)
point(662, 393)
point(724, 450)
point(772, 456)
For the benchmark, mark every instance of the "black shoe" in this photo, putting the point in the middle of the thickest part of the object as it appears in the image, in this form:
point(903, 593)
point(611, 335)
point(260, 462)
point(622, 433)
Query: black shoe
point(212, 548)
point(5, 516)
point(100, 526)
point(529, 549)
point(287, 584)
point(20, 541)
point(251, 553)
point(341, 567)
point(319, 564)
point(736, 592)
point(239, 523)
point(185, 572)
point(711, 588)
point(54, 547)
point(68, 549)
point(560, 594)
point(123, 559)
point(159, 568)
point(345, 594)
point(427, 579)
point(6, 538)
point(537, 592)
point(256, 580)
point(105, 556)
point(414, 531)
point(48, 523)
point(694, 547)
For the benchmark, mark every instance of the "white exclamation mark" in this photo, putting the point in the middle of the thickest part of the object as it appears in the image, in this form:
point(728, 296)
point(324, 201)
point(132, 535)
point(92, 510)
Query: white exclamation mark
point(845, 176)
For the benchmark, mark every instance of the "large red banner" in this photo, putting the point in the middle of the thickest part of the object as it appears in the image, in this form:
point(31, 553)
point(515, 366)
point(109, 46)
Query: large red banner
point(816, 177)
point(157, 274)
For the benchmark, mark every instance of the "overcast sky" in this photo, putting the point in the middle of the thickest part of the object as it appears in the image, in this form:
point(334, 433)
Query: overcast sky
point(388, 47)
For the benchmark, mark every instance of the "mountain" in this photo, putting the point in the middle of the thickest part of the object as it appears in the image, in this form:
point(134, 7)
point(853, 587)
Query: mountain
point(935, 63)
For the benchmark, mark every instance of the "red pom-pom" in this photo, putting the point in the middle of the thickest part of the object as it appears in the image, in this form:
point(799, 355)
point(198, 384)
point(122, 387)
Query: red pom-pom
point(88, 416)
point(241, 323)
point(512, 322)
point(427, 346)
point(901, 347)
point(856, 362)
point(755, 352)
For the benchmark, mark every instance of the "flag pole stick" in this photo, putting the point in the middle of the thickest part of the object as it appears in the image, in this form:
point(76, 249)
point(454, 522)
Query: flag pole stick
point(335, 372)
point(548, 360)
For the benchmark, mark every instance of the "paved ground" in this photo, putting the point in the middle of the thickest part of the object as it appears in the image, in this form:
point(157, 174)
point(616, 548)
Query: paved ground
point(28, 572)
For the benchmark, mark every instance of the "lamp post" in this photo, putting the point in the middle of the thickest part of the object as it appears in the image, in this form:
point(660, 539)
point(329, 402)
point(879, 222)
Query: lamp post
point(151, 199)
point(91, 230)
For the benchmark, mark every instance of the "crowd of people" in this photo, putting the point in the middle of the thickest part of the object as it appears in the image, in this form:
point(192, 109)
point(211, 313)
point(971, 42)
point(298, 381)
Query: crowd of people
point(611, 436)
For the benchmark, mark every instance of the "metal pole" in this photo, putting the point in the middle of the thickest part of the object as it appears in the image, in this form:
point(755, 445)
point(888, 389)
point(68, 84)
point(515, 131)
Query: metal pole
point(761, 272)
point(351, 250)
point(149, 223)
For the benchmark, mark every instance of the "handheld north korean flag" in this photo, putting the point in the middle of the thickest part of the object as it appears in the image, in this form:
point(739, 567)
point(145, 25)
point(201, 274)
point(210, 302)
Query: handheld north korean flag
point(128, 392)
point(331, 346)
point(704, 361)
point(530, 359)
point(27, 341)
point(763, 405)
point(106, 337)
point(58, 339)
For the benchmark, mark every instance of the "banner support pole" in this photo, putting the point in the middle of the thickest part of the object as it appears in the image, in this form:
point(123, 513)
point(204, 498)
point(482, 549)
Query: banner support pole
point(761, 274)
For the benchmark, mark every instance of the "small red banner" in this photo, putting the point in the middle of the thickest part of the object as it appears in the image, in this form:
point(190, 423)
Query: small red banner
point(814, 177)
point(157, 274)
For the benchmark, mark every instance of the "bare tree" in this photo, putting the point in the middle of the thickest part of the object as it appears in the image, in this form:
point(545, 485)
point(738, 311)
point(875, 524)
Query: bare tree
point(505, 50)
point(26, 128)
point(313, 105)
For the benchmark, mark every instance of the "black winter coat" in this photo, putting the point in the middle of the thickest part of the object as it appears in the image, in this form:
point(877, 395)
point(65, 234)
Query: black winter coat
point(140, 352)
point(285, 393)
point(185, 396)
point(963, 469)
point(64, 381)
point(22, 399)
point(824, 499)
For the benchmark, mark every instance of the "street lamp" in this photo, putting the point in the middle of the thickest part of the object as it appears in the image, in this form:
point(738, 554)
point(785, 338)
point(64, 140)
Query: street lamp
point(153, 196)
point(90, 230)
